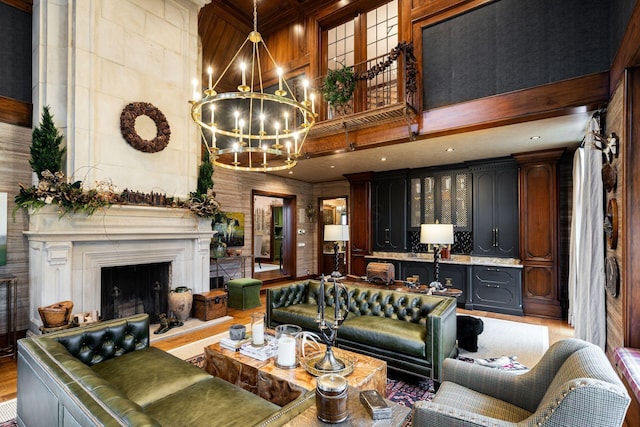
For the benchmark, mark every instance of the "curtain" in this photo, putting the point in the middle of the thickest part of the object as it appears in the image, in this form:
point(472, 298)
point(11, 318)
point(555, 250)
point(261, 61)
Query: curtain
point(587, 311)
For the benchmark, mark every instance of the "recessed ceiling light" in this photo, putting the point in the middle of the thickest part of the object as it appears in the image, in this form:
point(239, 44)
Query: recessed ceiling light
point(533, 138)
point(449, 150)
point(383, 159)
point(290, 172)
point(332, 166)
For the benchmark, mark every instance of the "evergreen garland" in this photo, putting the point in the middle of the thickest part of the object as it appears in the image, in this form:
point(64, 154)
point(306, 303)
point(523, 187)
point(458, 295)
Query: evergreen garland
point(46, 153)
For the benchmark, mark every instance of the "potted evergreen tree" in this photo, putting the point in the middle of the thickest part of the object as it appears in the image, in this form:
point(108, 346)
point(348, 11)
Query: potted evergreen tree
point(46, 153)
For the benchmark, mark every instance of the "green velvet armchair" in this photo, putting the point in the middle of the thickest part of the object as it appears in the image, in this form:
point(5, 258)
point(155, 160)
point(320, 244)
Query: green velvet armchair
point(574, 384)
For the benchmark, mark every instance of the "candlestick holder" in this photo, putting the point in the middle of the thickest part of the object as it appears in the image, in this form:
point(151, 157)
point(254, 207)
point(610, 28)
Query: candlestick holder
point(329, 329)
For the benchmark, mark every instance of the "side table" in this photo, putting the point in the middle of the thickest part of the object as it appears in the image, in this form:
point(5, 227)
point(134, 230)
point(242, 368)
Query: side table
point(11, 284)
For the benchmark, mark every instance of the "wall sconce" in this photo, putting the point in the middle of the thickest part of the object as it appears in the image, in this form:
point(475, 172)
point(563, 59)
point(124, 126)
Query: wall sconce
point(311, 212)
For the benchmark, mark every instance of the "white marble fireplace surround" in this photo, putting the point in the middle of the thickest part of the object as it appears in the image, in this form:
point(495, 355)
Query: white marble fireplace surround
point(66, 254)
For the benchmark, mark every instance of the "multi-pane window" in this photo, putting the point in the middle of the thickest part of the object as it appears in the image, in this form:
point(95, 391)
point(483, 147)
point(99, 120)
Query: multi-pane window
point(340, 45)
point(380, 35)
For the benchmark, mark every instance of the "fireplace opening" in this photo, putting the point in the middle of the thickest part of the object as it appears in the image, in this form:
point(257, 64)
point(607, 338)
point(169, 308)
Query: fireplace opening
point(132, 289)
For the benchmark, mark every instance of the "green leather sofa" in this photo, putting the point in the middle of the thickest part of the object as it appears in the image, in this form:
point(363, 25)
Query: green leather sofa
point(108, 375)
point(413, 332)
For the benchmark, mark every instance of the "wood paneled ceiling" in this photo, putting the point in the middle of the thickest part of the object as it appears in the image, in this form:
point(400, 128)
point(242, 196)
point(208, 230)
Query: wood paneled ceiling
point(223, 25)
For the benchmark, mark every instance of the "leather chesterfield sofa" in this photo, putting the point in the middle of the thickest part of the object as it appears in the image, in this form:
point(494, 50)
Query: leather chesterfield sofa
point(414, 333)
point(107, 375)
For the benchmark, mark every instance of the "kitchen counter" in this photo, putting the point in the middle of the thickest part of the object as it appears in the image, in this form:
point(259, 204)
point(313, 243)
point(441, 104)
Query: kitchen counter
point(454, 259)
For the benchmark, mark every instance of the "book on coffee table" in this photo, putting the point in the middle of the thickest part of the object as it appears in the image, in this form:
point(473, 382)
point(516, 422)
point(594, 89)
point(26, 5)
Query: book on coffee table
point(234, 345)
point(261, 353)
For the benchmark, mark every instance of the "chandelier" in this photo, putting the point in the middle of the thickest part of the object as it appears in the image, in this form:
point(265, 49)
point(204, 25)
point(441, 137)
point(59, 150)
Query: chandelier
point(251, 129)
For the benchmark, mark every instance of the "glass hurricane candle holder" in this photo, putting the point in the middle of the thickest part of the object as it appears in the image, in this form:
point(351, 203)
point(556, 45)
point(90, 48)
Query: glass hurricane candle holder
point(257, 329)
point(286, 338)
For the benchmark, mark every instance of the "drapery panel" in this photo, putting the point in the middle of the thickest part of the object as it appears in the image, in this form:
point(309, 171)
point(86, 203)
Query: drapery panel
point(587, 312)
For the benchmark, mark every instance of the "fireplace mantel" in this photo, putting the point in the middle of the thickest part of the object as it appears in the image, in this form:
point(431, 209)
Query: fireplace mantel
point(66, 253)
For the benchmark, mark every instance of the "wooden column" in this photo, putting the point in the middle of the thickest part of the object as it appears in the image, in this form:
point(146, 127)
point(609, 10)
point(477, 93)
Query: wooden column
point(360, 221)
point(539, 232)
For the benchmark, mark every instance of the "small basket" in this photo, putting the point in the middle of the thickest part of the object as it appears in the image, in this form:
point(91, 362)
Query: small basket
point(56, 315)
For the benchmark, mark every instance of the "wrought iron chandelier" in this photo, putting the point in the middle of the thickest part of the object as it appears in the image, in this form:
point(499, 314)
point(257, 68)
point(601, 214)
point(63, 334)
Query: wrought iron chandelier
point(252, 130)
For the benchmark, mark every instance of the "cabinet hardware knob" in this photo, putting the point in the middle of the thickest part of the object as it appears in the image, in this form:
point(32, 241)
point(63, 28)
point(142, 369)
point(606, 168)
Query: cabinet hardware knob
point(493, 269)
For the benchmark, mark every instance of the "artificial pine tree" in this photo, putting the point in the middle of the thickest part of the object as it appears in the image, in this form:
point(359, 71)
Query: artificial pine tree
point(46, 153)
point(205, 174)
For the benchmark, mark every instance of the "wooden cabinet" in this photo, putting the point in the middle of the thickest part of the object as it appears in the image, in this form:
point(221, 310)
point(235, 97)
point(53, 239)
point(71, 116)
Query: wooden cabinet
point(495, 209)
point(442, 196)
point(389, 201)
point(497, 289)
point(360, 227)
point(539, 231)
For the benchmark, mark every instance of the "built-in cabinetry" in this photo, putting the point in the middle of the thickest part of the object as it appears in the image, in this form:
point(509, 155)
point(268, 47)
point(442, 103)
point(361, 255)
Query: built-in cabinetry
point(495, 209)
point(440, 196)
point(389, 202)
point(497, 289)
point(539, 231)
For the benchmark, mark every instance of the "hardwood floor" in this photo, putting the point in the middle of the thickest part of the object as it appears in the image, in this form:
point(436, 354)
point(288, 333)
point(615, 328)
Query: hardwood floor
point(558, 329)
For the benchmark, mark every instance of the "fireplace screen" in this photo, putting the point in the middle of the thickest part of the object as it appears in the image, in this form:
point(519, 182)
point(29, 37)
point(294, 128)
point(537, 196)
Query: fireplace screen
point(133, 289)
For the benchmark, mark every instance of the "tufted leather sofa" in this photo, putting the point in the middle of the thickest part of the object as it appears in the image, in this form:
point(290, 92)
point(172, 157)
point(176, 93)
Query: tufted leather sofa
point(106, 374)
point(413, 332)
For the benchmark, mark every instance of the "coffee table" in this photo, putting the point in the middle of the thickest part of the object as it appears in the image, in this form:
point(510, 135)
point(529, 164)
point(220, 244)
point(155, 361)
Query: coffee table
point(281, 386)
point(358, 415)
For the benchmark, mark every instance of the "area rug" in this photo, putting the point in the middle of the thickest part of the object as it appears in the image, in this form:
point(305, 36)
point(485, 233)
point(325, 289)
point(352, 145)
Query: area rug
point(523, 342)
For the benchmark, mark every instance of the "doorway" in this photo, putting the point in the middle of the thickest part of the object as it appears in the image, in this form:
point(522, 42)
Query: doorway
point(273, 239)
point(332, 211)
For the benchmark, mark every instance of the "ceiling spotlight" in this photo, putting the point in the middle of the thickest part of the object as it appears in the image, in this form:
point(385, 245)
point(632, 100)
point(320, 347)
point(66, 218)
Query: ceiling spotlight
point(450, 149)
point(383, 159)
point(533, 138)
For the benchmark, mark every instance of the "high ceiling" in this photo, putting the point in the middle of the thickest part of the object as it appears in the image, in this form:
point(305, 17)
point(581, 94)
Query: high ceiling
point(223, 27)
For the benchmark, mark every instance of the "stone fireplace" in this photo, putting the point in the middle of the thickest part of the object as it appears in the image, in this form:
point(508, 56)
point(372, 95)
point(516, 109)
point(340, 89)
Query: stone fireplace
point(67, 255)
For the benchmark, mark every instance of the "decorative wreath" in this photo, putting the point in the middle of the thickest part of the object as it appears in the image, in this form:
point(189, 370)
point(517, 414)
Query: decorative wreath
point(128, 122)
point(339, 85)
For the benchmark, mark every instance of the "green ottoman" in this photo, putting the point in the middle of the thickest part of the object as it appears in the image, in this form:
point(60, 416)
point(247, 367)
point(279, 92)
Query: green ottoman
point(244, 293)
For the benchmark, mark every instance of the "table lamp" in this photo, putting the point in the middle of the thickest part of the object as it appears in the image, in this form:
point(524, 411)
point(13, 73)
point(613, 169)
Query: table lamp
point(336, 233)
point(437, 235)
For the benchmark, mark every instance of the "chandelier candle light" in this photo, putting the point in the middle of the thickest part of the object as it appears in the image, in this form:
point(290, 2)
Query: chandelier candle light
point(244, 129)
point(438, 235)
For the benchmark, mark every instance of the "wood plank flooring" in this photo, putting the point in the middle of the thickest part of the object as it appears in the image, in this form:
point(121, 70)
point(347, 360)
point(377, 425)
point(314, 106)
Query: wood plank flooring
point(558, 329)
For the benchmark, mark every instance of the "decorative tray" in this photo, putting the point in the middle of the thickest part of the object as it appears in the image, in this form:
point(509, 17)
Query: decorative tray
point(311, 359)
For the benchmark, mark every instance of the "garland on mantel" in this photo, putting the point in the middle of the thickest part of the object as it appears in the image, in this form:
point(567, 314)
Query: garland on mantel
point(54, 189)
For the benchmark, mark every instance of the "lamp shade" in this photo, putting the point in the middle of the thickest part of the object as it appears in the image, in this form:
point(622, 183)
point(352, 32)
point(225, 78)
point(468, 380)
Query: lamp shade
point(438, 234)
point(336, 233)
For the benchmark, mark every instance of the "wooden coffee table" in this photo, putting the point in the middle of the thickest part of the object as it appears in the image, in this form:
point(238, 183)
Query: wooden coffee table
point(281, 386)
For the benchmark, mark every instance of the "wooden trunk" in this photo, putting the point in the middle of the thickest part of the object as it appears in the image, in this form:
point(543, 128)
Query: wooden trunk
point(210, 305)
point(381, 272)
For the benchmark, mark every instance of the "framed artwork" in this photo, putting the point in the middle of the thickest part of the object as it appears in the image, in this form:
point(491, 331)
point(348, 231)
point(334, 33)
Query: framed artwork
point(3, 228)
point(329, 213)
point(230, 228)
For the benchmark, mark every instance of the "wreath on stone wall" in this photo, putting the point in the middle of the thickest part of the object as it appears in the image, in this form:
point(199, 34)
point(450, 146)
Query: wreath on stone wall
point(128, 127)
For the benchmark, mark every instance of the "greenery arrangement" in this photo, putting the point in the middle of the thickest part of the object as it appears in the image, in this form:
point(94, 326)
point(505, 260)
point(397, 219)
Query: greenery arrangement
point(339, 85)
point(46, 153)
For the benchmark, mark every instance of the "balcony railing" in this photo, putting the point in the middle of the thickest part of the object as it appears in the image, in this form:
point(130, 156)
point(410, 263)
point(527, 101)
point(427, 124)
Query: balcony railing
point(386, 90)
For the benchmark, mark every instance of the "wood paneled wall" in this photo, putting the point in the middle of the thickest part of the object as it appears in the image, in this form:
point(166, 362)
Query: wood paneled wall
point(615, 307)
point(15, 170)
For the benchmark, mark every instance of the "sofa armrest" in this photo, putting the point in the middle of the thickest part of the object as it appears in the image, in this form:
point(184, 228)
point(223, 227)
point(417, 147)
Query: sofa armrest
point(441, 335)
point(289, 411)
point(290, 294)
